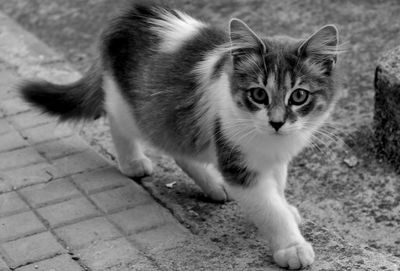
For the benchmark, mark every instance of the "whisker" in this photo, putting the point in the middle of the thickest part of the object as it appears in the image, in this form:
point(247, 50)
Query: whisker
point(314, 146)
point(246, 133)
point(325, 153)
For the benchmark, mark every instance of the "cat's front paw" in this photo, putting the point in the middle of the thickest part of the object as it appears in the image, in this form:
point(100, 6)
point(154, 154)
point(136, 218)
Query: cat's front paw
point(137, 168)
point(296, 256)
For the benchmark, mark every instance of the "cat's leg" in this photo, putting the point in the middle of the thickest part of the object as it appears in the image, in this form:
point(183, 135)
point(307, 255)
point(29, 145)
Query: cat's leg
point(206, 177)
point(295, 213)
point(280, 174)
point(132, 161)
point(262, 200)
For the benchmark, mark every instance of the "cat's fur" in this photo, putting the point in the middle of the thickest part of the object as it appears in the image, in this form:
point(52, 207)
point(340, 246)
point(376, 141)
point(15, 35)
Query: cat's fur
point(183, 86)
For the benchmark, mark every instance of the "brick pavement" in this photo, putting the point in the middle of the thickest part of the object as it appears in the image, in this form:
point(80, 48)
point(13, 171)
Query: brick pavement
point(63, 206)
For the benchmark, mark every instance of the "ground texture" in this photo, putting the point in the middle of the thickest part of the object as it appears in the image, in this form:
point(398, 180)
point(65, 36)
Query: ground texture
point(343, 188)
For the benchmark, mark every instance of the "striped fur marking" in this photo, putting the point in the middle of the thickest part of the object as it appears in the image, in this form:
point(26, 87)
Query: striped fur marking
point(231, 160)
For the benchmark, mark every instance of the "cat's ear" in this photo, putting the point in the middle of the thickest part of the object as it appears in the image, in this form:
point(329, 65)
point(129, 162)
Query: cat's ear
point(242, 37)
point(322, 47)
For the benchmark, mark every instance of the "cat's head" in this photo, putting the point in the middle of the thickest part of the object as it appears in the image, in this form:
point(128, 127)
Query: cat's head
point(284, 86)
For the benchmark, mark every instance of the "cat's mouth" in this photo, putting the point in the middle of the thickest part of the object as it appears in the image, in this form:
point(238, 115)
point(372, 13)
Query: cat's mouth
point(277, 134)
point(273, 133)
point(280, 133)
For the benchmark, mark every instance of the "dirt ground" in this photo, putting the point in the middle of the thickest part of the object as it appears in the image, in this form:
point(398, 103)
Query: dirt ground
point(359, 201)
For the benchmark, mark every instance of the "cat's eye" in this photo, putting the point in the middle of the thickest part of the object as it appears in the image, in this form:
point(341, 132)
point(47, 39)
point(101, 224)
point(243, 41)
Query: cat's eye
point(259, 95)
point(299, 97)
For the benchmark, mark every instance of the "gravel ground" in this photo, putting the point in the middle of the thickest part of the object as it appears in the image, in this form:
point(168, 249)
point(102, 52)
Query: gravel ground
point(343, 187)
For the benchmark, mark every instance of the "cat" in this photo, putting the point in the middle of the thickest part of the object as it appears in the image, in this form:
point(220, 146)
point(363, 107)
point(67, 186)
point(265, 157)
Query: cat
point(231, 107)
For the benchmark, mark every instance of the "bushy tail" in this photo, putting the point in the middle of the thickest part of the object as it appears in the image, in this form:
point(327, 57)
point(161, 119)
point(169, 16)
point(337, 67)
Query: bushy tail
point(81, 100)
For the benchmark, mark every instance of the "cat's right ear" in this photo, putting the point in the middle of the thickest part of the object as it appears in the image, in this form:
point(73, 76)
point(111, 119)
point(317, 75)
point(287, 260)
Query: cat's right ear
point(242, 37)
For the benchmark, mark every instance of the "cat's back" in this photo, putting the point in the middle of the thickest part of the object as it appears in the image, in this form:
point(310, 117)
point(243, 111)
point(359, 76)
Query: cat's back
point(153, 52)
point(154, 36)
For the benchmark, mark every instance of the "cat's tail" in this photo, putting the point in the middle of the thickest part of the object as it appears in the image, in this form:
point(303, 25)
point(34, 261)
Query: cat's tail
point(81, 100)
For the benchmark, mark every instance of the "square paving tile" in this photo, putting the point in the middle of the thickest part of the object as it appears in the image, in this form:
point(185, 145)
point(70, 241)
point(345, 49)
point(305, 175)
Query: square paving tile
point(68, 212)
point(11, 203)
point(104, 255)
point(19, 158)
point(100, 180)
point(87, 232)
point(58, 263)
point(121, 198)
point(18, 225)
point(47, 132)
point(141, 218)
point(51, 192)
point(31, 249)
point(80, 162)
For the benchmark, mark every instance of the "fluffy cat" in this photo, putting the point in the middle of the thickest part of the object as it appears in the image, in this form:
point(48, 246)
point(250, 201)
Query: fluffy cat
point(231, 108)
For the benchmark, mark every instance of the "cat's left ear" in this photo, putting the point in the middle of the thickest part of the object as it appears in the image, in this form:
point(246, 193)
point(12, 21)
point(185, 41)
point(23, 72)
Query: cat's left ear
point(322, 47)
point(242, 37)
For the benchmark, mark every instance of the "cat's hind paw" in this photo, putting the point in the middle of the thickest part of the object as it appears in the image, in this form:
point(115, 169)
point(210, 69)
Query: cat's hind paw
point(217, 193)
point(295, 257)
point(137, 168)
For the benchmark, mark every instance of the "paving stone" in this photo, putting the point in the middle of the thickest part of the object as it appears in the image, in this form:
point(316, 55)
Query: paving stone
point(5, 183)
point(141, 218)
point(80, 162)
point(19, 158)
point(59, 263)
point(104, 255)
point(8, 78)
point(121, 198)
point(62, 147)
point(14, 106)
point(141, 264)
point(11, 141)
point(87, 232)
point(51, 192)
point(19, 225)
point(3, 265)
point(30, 119)
point(11, 203)
point(5, 126)
point(33, 174)
point(31, 249)
point(47, 132)
point(68, 212)
point(162, 238)
point(100, 180)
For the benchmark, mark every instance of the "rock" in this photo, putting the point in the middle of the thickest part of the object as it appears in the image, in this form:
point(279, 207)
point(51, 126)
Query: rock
point(170, 185)
point(387, 107)
point(351, 161)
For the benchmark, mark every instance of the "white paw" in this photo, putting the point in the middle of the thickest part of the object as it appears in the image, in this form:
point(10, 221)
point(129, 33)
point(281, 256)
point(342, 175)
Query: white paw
point(137, 168)
point(295, 213)
point(295, 257)
point(216, 192)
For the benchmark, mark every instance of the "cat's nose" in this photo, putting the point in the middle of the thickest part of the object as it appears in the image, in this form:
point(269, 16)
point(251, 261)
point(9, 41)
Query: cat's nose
point(276, 124)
